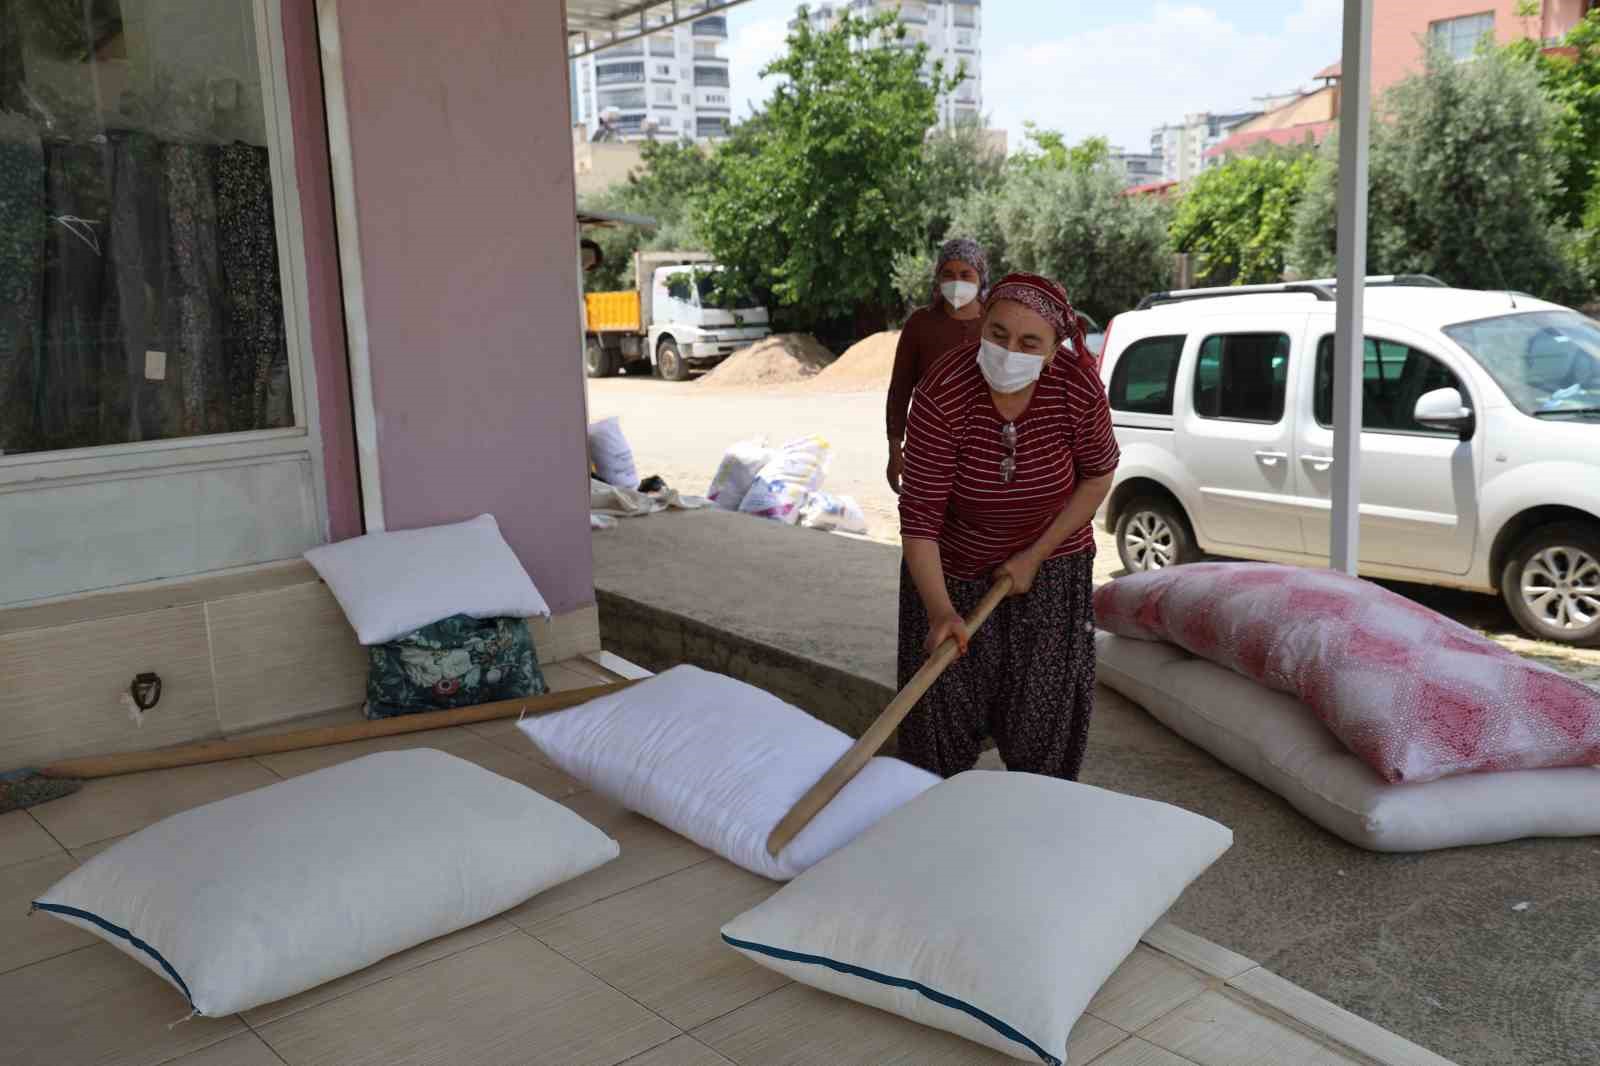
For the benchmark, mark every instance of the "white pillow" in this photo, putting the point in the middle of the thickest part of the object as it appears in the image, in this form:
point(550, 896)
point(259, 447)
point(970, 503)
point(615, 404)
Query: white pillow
point(610, 454)
point(391, 584)
point(993, 907)
point(721, 763)
point(1280, 743)
point(266, 894)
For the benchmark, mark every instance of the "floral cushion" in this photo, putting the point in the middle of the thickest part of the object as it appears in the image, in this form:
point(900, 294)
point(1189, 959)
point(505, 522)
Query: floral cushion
point(1410, 692)
point(457, 662)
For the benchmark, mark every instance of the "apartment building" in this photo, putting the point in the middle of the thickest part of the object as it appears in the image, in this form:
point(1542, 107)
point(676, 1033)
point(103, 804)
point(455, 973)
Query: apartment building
point(1401, 29)
point(953, 32)
point(1183, 146)
point(672, 83)
point(1138, 169)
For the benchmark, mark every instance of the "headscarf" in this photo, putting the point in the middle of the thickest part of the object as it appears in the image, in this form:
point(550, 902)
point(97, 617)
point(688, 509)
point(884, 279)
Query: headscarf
point(967, 251)
point(1049, 301)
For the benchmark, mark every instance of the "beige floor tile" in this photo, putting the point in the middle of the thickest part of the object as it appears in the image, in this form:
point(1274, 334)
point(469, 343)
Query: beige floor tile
point(342, 716)
point(522, 768)
point(404, 962)
point(566, 676)
point(85, 852)
point(510, 1001)
point(27, 938)
point(661, 943)
point(1136, 1052)
point(1216, 1030)
point(115, 806)
point(1091, 1037)
point(294, 763)
point(22, 839)
point(1349, 1029)
point(649, 852)
point(682, 1051)
point(505, 733)
point(1145, 987)
point(1197, 951)
point(800, 1026)
point(98, 1006)
point(246, 1049)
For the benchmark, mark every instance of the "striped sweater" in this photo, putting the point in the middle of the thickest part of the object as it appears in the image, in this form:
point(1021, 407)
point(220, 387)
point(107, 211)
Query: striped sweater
point(953, 490)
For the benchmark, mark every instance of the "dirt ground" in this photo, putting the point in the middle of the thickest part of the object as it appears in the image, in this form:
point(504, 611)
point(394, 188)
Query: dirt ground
point(680, 431)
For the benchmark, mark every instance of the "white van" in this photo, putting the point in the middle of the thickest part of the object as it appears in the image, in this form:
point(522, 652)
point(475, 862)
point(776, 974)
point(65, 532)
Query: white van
point(1480, 449)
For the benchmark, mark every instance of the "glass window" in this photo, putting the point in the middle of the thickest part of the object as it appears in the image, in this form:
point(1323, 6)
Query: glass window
point(1548, 362)
point(1459, 37)
point(710, 127)
point(1242, 376)
point(140, 288)
point(1393, 377)
point(1145, 375)
point(620, 98)
point(712, 77)
point(664, 95)
point(662, 45)
point(618, 73)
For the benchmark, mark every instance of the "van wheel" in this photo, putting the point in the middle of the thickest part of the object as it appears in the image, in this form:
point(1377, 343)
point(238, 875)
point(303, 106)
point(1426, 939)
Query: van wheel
point(1152, 535)
point(669, 362)
point(1552, 584)
point(599, 361)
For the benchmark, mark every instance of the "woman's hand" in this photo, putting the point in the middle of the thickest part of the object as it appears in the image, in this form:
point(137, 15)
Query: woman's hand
point(944, 628)
point(897, 464)
point(1022, 568)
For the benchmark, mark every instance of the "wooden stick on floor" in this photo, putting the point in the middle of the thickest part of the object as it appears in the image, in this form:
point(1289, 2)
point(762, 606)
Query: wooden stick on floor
point(221, 750)
point(878, 733)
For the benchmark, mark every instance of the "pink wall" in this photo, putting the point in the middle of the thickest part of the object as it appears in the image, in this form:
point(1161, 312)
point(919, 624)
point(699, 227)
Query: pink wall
point(304, 74)
point(1400, 26)
point(464, 191)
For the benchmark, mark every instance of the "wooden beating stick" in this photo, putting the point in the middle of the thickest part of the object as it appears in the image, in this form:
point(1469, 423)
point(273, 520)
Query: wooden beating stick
point(878, 733)
point(221, 750)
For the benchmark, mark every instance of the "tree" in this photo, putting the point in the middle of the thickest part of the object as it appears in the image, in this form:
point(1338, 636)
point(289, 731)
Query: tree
point(672, 174)
point(1462, 174)
point(1050, 151)
point(1238, 219)
point(1571, 80)
point(813, 202)
point(957, 162)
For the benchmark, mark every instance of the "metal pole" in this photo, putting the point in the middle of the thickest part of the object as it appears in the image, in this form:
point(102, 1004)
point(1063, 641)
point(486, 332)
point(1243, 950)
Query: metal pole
point(1355, 114)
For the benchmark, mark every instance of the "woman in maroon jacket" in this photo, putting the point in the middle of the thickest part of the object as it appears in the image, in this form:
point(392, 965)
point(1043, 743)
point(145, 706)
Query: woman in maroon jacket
point(951, 318)
point(1009, 452)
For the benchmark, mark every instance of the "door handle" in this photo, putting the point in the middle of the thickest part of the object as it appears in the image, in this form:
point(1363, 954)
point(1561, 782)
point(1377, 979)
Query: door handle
point(1321, 462)
point(1269, 458)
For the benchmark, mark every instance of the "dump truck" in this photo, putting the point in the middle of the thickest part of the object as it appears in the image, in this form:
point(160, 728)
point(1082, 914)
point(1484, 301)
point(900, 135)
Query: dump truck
point(679, 316)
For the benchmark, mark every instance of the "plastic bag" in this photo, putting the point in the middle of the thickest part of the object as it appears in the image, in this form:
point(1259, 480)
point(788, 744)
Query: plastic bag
point(838, 514)
point(610, 454)
point(781, 488)
point(737, 472)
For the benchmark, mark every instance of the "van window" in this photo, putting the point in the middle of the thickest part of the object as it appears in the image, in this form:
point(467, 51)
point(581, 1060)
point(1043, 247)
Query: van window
point(1146, 376)
point(1241, 377)
point(1393, 377)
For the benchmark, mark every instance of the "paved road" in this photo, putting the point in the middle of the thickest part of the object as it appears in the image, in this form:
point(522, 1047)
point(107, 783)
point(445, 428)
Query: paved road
point(680, 430)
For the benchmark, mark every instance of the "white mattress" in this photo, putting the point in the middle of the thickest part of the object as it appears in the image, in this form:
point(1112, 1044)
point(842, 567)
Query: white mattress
point(1278, 742)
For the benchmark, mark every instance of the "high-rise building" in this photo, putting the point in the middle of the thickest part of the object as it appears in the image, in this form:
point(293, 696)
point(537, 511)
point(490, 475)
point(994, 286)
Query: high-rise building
point(953, 32)
point(1183, 147)
point(1138, 168)
point(670, 84)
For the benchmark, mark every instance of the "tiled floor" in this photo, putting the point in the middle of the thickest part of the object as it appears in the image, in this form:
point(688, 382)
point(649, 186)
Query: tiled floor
point(620, 966)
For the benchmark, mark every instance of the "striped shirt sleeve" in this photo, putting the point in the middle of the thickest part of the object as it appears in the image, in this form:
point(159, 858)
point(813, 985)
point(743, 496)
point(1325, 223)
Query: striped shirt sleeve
point(1094, 448)
point(930, 469)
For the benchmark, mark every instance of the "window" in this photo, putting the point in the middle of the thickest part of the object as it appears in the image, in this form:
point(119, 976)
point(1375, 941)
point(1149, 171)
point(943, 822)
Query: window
point(1146, 375)
point(713, 77)
point(663, 70)
point(618, 73)
point(629, 124)
point(715, 26)
point(1459, 37)
point(664, 95)
point(663, 46)
point(1241, 377)
point(1393, 378)
point(716, 100)
point(620, 98)
point(710, 127)
point(706, 49)
point(142, 296)
point(631, 48)
point(1548, 362)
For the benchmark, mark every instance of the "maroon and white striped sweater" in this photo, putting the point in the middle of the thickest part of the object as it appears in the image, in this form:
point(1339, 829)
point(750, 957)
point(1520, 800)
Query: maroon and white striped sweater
point(952, 488)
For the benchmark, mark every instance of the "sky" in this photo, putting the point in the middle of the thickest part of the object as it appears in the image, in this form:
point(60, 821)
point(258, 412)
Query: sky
point(1112, 69)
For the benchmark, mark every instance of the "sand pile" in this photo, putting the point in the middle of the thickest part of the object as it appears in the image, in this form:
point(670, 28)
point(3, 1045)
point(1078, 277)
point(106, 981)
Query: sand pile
point(781, 359)
point(865, 367)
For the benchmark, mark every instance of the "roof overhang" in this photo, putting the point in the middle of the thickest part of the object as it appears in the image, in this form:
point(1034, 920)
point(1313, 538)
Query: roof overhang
point(614, 218)
point(596, 24)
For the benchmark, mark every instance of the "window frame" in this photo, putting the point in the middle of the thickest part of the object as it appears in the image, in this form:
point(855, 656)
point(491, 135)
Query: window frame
point(1120, 371)
point(1444, 33)
point(28, 471)
point(1194, 377)
point(1327, 339)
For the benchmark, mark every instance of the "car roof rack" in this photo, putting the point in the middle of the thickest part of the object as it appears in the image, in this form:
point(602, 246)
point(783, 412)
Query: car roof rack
point(1323, 289)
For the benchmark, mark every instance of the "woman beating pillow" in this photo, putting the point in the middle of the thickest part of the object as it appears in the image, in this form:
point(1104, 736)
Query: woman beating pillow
point(1009, 452)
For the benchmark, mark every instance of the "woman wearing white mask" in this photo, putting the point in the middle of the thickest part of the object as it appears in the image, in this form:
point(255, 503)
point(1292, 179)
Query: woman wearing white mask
point(1009, 452)
point(951, 319)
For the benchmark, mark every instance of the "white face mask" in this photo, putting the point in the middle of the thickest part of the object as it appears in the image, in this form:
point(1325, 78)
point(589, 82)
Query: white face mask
point(1005, 370)
point(959, 293)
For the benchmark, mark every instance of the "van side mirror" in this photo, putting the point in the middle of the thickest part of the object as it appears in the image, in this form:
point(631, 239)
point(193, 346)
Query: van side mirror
point(1443, 409)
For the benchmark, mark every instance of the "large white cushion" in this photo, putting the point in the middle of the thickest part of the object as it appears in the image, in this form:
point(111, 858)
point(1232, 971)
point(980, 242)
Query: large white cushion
point(994, 906)
point(721, 762)
point(266, 894)
point(1276, 741)
point(391, 584)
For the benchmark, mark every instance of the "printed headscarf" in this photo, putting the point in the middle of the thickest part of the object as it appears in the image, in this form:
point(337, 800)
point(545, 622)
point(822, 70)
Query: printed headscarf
point(966, 251)
point(1049, 301)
